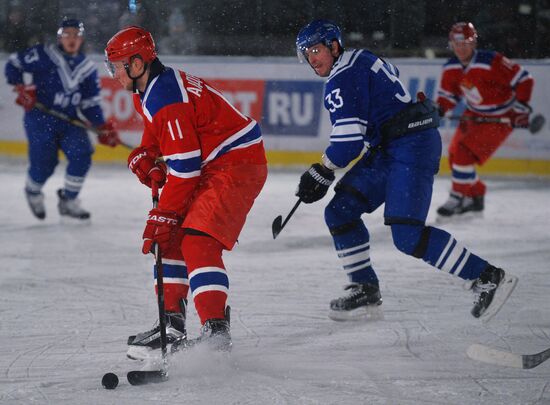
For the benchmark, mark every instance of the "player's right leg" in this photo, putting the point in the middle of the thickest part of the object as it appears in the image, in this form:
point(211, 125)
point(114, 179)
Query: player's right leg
point(176, 285)
point(360, 190)
point(78, 150)
point(42, 162)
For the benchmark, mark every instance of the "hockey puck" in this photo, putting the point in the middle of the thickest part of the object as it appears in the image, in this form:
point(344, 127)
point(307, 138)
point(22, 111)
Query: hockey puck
point(109, 381)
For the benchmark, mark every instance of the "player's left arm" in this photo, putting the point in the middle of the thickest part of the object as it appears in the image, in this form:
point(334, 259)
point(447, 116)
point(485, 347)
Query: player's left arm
point(521, 84)
point(517, 77)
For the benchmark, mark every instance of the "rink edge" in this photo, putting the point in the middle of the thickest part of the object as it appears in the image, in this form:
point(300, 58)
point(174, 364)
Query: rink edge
point(277, 158)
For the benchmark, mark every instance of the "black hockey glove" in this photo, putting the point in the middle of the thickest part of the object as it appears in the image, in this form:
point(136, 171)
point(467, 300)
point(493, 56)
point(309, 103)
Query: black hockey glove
point(314, 183)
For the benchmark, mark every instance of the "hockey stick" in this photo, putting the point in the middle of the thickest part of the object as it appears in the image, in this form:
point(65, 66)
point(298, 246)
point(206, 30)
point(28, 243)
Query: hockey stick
point(160, 286)
point(278, 223)
point(142, 377)
point(489, 355)
point(74, 121)
point(535, 125)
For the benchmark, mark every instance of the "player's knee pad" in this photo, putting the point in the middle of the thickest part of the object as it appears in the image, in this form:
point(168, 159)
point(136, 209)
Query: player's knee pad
point(342, 209)
point(201, 250)
point(462, 155)
point(411, 239)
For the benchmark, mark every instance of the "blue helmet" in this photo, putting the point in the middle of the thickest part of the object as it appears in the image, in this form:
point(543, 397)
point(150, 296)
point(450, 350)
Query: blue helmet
point(71, 23)
point(316, 32)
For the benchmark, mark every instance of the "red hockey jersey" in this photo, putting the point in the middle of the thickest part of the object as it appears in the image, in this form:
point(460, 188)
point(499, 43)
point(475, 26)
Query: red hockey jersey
point(489, 85)
point(192, 124)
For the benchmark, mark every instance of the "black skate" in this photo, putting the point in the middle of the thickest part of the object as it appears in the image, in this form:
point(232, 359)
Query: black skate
point(361, 303)
point(71, 208)
point(457, 205)
point(36, 204)
point(215, 333)
point(142, 345)
point(493, 287)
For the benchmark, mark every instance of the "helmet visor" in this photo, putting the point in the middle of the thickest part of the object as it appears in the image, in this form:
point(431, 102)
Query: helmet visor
point(110, 67)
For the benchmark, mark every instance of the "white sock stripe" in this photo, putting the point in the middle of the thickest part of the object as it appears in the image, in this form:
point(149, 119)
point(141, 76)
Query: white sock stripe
point(462, 264)
point(210, 287)
point(457, 180)
point(355, 258)
point(351, 249)
point(173, 280)
point(444, 253)
point(357, 267)
point(453, 258)
point(464, 169)
point(174, 262)
point(33, 185)
point(201, 270)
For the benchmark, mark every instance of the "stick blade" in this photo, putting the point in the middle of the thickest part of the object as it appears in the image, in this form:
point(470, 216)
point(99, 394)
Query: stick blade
point(146, 377)
point(277, 226)
point(537, 123)
point(489, 355)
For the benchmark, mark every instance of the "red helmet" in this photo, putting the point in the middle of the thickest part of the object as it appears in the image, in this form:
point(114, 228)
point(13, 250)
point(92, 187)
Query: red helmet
point(128, 42)
point(463, 32)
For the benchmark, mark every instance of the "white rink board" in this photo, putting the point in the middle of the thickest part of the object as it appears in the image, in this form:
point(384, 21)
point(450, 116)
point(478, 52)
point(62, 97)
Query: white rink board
point(287, 97)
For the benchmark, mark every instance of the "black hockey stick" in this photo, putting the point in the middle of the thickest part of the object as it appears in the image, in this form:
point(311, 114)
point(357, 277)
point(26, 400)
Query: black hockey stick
point(76, 122)
point(489, 355)
point(279, 224)
point(535, 125)
point(139, 377)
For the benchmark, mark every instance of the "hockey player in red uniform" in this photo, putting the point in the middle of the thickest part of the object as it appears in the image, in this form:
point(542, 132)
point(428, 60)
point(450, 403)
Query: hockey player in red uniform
point(210, 160)
point(493, 87)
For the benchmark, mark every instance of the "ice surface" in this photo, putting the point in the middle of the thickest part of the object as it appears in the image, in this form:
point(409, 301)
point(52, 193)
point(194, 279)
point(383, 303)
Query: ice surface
point(70, 296)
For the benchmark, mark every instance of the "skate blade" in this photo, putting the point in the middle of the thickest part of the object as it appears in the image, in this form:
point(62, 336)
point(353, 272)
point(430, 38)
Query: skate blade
point(459, 218)
point(368, 313)
point(70, 221)
point(502, 294)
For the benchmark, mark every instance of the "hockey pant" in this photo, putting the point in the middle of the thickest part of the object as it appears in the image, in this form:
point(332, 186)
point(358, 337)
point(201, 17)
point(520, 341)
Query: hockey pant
point(46, 135)
point(473, 144)
point(406, 191)
point(213, 222)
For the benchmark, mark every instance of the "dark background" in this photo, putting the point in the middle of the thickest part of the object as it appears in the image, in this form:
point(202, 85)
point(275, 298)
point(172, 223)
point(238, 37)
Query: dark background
point(518, 28)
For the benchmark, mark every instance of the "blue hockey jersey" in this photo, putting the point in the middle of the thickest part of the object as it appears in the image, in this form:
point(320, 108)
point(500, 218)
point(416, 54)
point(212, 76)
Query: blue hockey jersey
point(63, 82)
point(361, 92)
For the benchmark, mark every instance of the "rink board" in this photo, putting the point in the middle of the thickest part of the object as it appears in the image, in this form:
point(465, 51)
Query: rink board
point(286, 99)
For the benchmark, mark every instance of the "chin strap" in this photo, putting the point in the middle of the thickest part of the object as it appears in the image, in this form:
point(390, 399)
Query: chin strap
point(135, 79)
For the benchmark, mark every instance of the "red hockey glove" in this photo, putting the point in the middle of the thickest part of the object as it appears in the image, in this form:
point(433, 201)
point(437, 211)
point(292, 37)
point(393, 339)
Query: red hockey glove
point(520, 115)
point(108, 135)
point(26, 96)
point(162, 227)
point(143, 162)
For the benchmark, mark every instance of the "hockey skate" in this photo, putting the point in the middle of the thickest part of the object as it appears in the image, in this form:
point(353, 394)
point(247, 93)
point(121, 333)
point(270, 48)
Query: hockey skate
point(361, 303)
point(36, 203)
point(492, 289)
point(215, 334)
point(143, 345)
point(458, 205)
point(70, 208)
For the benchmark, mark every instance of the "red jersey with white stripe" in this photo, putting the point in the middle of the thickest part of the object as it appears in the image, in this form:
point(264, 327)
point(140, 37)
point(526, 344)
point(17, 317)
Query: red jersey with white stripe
point(489, 85)
point(193, 124)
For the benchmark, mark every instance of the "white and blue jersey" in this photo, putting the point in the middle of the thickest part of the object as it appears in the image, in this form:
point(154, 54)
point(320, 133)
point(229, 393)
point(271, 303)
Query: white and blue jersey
point(361, 92)
point(68, 84)
point(63, 82)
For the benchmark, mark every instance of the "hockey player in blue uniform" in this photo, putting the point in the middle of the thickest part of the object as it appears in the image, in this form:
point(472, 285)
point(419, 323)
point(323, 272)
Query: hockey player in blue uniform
point(371, 110)
point(65, 80)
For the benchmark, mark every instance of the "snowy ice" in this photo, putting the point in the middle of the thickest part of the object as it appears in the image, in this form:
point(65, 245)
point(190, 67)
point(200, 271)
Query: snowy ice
point(70, 295)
